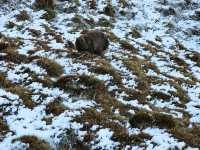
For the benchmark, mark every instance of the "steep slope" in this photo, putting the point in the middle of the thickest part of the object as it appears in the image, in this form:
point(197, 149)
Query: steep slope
point(144, 93)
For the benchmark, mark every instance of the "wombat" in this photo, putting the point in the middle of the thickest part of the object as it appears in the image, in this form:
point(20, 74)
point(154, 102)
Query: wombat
point(93, 41)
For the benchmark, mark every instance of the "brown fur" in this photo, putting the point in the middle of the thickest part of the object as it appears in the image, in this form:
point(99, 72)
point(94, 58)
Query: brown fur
point(93, 41)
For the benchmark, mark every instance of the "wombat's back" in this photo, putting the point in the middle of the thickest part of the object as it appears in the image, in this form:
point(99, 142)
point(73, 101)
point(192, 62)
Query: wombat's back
point(92, 41)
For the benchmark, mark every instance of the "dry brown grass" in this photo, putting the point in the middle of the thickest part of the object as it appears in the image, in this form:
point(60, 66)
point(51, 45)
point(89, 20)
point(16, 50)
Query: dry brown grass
point(52, 67)
point(104, 67)
point(34, 142)
point(191, 136)
point(164, 121)
point(127, 46)
point(24, 95)
point(4, 83)
point(13, 56)
point(3, 127)
point(135, 33)
point(74, 84)
point(141, 119)
point(22, 16)
point(109, 10)
point(55, 107)
point(144, 119)
point(44, 4)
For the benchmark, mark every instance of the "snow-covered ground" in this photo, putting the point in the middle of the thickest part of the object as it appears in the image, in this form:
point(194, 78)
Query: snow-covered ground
point(96, 97)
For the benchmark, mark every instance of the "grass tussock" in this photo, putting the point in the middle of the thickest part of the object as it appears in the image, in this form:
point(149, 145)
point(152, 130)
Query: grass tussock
point(135, 33)
point(10, 25)
point(92, 4)
point(53, 68)
point(164, 121)
point(55, 107)
point(126, 139)
point(112, 37)
point(104, 67)
point(109, 10)
point(194, 57)
point(6, 42)
point(191, 136)
point(127, 46)
point(24, 94)
point(81, 85)
point(23, 16)
point(50, 14)
point(3, 127)
point(13, 56)
point(48, 6)
point(141, 120)
point(4, 83)
point(44, 4)
point(69, 140)
point(34, 142)
point(144, 119)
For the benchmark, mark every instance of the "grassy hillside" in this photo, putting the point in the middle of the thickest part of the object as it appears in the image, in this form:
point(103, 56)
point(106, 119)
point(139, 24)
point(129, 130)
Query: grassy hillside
point(143, 93)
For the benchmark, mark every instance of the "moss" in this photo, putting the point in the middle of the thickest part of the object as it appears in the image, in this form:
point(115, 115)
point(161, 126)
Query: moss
point(141, 120)
point(34, 142)
point(22, 16)
point(52, 67)
point(55, 107)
